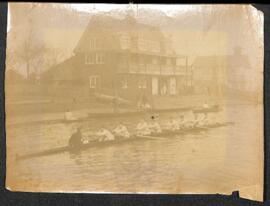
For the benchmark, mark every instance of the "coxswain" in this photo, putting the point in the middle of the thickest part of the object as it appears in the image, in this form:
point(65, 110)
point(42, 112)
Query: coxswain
point(143, 128)
point(76, 139)
point(121, 131)
point(105, 135)
point(154, 126)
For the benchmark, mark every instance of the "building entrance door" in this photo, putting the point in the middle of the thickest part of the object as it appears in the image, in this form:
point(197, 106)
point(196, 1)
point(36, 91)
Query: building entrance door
point(154, 86)
point(172, 86)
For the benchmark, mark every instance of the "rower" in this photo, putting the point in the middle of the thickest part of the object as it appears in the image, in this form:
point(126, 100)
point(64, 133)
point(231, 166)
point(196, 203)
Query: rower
point(154, 126)
point(76, 139)
point(143, 128)
point(105, 135)
point(121, 131)
point(188, 122)
point(196, 121)
point(182, 122)
point(205, 121)
point(173, 125)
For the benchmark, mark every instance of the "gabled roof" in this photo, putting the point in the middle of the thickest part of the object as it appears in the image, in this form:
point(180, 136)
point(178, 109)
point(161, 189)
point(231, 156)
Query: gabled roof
point(108, 28)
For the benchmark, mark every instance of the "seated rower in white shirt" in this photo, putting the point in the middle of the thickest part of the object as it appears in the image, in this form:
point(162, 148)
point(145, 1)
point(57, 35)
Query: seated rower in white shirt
point(105, 135)
point(143, 128)
point(172, 125)
point(121, 131)
point(182, 122)
point(196, 122)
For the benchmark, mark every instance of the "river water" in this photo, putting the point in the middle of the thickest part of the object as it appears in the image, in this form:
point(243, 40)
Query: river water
point(219, 160)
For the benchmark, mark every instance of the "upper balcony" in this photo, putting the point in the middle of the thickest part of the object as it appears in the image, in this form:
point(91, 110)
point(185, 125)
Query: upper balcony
point(153, 69)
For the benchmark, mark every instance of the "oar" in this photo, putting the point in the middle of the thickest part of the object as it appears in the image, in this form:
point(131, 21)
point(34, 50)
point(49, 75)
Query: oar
point(150, 137)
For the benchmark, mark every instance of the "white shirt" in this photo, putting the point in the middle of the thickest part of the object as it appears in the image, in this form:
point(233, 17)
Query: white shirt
point(181, 123)
point(105, 135)
point(155, 127)
point(143, 129)
point(173, 125)
point(122, 131)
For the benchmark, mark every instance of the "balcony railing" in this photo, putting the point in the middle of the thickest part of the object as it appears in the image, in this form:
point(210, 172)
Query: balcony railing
point(153, 69)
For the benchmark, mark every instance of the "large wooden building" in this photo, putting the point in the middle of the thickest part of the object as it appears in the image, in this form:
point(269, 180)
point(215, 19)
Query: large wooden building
point(125, 58)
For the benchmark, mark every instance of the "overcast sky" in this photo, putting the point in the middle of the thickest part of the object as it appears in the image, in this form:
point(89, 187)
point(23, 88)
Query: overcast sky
point(166, 8)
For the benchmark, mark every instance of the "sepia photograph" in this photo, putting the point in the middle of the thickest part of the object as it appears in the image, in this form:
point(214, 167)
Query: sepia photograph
point(135, 98)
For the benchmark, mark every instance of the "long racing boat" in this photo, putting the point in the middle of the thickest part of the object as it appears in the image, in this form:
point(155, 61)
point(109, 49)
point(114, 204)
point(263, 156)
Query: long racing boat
point(100, 144)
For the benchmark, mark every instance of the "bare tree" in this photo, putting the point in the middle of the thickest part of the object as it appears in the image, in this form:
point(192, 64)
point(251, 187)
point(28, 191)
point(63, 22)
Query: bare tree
point(29, 49)
point(52, 57)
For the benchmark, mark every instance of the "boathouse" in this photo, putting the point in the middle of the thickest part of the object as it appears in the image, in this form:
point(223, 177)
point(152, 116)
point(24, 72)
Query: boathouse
point(122, 57)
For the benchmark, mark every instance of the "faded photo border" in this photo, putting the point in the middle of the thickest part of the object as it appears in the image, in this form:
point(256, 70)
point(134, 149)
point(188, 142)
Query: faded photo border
point(23, 198)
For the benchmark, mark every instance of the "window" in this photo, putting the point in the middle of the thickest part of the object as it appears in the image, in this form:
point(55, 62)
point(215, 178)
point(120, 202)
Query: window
point(154, 60)
point(155, 46)
point(92, 43)
point(89, 58)
point(125, 41)
point(124, 83)
point(164, 86)
point(142, 44)
point(148, 45)
point(168, 61)
point(99, 58)
point(93, 81)
point(94, 58)
point(172, 85)
point(99, 44)
point(181, 62)
point(142, 84)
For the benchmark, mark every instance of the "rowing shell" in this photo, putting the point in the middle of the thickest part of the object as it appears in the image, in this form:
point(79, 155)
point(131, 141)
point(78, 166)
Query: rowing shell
point(99, 144)
point(84, 146)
